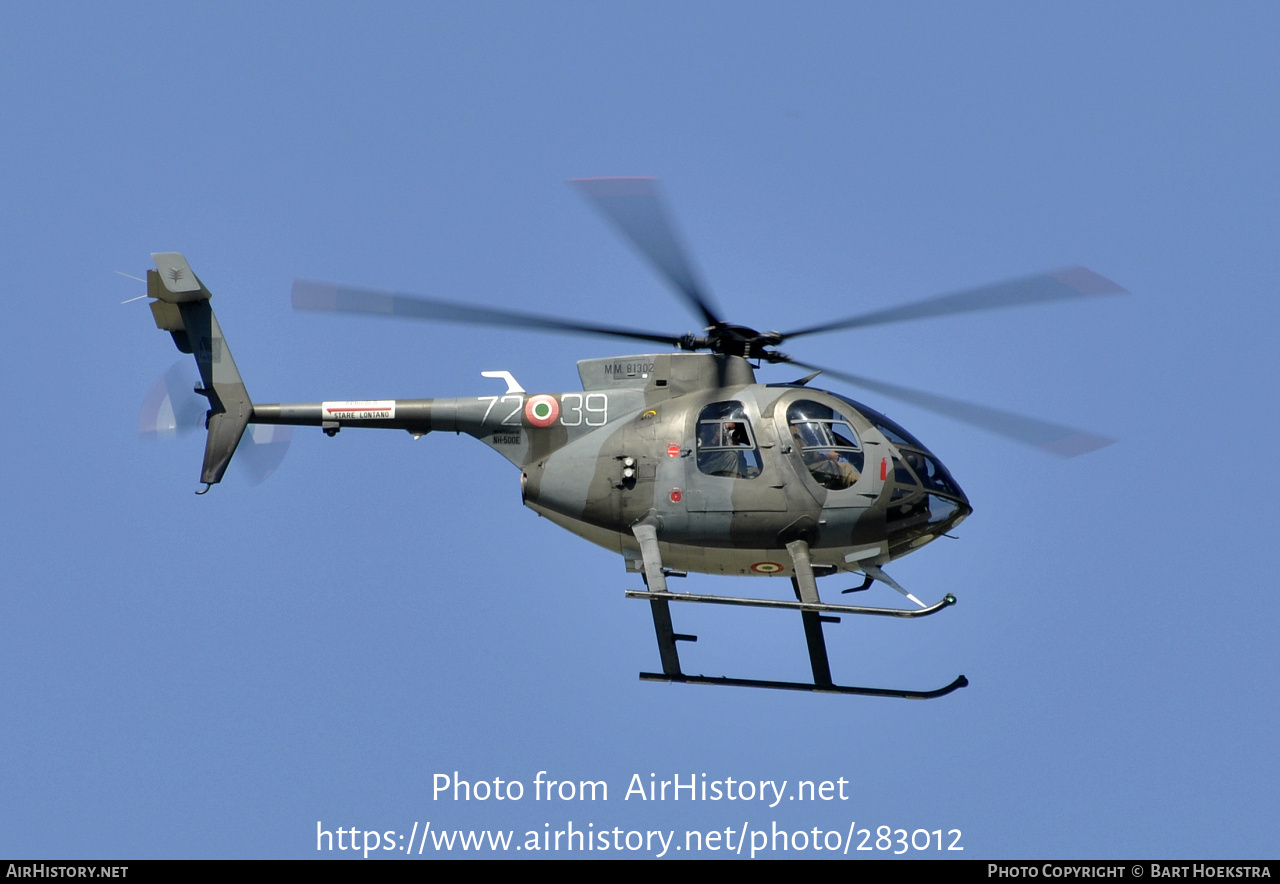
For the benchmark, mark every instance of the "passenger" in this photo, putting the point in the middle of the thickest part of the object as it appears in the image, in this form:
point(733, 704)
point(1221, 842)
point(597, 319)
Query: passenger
point(714, 458)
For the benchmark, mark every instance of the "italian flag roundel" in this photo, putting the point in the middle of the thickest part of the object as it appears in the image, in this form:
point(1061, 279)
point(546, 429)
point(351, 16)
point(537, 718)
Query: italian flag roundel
point(542, 411)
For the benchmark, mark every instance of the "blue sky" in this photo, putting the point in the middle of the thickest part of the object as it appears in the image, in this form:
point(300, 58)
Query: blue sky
point(210, 676)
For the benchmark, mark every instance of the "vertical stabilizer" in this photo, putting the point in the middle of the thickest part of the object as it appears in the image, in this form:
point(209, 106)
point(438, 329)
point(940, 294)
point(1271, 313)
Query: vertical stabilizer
point(180, 306)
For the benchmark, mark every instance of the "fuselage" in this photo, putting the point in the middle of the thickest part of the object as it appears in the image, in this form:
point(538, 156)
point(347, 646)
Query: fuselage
point(729, 470)
point(732, 472)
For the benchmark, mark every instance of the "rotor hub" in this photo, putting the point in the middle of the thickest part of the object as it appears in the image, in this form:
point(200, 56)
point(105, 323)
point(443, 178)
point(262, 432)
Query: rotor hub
point(740, 340)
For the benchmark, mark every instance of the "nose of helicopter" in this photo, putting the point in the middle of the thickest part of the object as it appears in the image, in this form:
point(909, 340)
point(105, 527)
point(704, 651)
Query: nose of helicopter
point(932, 508)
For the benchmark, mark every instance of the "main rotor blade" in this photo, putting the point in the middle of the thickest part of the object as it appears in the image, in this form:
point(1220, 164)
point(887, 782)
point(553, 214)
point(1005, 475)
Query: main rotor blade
point(635, 208)
point(1073, 282)
point(1054, 438)
point(326, 297)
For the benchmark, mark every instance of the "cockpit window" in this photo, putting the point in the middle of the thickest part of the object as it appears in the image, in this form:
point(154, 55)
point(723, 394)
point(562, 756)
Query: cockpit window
point(933, 475)
point(892, 431)
point(828, 443)
point(904, 480)
point(726, 447)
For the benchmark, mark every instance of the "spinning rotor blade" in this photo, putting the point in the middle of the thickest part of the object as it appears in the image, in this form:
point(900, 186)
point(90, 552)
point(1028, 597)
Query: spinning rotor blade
point(634, 207)
point(172, 407)
point(262, 450)
point(1073, 282)
point(1053, 438)
point(326, 297)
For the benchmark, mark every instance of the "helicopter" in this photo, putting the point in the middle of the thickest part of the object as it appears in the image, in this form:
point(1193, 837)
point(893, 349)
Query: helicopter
point(680, 460)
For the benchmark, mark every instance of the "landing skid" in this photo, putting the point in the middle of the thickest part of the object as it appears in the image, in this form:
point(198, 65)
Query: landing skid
point(813, 612)
point(814, 615)
point(946, 602)
point(960, 682)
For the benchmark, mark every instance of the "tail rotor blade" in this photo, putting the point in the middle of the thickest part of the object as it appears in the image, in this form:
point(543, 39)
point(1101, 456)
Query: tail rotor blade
point(171, 407)
point(262, 450)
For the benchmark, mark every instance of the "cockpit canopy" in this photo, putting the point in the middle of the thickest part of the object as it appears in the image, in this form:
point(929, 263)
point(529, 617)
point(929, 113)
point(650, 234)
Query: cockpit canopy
point(828, 443)
point(920, 462)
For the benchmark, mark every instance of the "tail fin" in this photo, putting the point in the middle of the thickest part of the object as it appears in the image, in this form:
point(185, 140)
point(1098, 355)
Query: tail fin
point(181, 307)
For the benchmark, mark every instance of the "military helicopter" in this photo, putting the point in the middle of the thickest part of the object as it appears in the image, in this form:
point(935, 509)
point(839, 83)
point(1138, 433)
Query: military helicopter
point(678, 461)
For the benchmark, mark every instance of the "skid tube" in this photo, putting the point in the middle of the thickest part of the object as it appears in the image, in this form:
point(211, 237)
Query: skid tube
point(813, 612)
point(960, 682)
point(821, 607)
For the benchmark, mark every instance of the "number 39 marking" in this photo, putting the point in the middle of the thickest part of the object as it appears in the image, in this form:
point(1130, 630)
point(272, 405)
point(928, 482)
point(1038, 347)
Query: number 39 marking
point(591, 409)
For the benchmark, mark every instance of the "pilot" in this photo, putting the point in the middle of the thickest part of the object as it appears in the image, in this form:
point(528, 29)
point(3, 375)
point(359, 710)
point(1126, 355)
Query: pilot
point(831, 468)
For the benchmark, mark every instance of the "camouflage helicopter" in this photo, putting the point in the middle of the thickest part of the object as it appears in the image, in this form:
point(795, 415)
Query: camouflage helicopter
point(678, 461)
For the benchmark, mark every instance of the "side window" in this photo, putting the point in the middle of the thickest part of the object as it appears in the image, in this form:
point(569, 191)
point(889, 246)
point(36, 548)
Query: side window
point(829, 445)
point(726, 446)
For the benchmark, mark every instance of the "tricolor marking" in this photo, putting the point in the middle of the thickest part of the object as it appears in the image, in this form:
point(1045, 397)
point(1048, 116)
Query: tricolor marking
point(542, 410)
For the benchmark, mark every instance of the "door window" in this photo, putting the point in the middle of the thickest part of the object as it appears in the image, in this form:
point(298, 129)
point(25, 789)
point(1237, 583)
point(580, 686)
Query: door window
point(726, 446)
